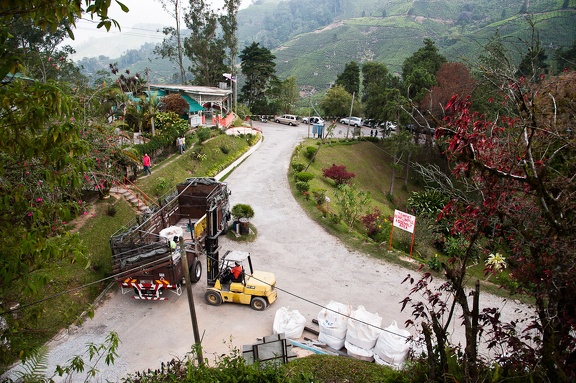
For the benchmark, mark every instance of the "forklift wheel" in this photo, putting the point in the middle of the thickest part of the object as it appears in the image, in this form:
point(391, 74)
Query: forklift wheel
point(195, 271)
point(213, 298)
point(258, 303)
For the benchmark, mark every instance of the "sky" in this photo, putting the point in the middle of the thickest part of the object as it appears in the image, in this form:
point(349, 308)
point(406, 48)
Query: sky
point(141, 12)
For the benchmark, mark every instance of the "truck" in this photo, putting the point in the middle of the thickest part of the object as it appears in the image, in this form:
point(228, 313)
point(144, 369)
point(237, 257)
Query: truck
point(146, 256)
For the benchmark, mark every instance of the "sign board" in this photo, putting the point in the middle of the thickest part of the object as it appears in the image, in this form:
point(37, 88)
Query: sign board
point(404, 221)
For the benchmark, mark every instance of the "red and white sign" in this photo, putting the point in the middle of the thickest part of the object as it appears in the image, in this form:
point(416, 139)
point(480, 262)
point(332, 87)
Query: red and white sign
point(404, 221)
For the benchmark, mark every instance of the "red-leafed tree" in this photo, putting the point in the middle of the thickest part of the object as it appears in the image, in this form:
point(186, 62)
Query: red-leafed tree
point(522, 170)
point(452, 78)
point(338, 173)
point(174, 103)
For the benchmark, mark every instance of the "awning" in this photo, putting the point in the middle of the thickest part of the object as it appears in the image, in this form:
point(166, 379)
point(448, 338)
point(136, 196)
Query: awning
point(194, 106)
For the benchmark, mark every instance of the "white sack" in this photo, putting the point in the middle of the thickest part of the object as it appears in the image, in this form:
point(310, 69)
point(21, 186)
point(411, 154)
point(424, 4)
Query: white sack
point(392, 346)
point(332, 320)
point(331, 341)
point(359, 352)
point(171, 232)
point(363, 328)
point(289, 322)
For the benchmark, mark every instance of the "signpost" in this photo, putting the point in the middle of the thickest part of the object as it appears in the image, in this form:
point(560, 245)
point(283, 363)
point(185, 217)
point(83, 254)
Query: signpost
point(405, 222)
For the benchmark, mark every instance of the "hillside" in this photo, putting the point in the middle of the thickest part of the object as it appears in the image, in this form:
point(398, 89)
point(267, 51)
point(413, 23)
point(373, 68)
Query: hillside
point(314, 39)
point(316, 57)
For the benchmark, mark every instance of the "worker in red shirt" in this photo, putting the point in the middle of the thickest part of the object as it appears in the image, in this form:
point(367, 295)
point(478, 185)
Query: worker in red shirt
point(234, 273)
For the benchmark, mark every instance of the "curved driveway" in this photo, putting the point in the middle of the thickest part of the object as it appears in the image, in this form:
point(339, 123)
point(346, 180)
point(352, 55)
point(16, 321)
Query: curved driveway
point(311, 267)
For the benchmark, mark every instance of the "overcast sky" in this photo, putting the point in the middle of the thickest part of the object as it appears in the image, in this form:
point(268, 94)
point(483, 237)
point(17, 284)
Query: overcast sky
point(141, 12)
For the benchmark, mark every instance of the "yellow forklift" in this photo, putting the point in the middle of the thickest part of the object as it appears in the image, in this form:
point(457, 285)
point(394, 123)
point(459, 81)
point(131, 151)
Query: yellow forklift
point(254, 288)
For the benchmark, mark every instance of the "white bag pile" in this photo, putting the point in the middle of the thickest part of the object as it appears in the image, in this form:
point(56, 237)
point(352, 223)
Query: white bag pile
point(289, 322)
point(392, 346)
point(332, 322)
point(362, 334)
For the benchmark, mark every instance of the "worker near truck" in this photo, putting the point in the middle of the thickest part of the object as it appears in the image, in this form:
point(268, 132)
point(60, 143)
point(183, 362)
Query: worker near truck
point(233, 274)
point(174, 242)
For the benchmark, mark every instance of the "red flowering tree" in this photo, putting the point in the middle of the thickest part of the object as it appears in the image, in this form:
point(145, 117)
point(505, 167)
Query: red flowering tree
point(338, 173)
point(519, 170)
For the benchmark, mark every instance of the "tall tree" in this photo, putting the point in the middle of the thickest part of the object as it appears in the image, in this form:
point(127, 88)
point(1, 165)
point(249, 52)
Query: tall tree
point(565, 58)
point(419, 69)
point(336, 103)
point(171, 46)
point(349, 79)
point(452, 78)
point(284, 93)
point(204, 47)
point(48, 17)
point(375, 84)
point(259, 69)
point(42, 161)
point(229, 24)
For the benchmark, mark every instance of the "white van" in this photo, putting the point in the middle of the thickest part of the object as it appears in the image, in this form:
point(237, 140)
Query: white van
point(288, 119)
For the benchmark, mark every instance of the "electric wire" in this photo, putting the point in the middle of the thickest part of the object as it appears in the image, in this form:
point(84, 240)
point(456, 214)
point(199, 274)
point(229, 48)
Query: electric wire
point(115, 276)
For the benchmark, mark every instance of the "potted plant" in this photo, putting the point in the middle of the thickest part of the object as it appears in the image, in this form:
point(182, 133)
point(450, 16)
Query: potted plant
point(241, 214)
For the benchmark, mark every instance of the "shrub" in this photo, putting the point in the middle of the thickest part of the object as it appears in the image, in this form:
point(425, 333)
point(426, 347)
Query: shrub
point(203, 134)
point(111, 210)
point(242, 211)
point(319, 196)
point(161, 186)
point(304, 176)
point(302, 186)
point(377, 226)
point(225, 149)
point(297, 167)
point(310, 152)
point(338, 173)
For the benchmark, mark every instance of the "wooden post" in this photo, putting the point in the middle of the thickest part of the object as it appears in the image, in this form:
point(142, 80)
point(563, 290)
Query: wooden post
point(391, 233)
point(191, 299)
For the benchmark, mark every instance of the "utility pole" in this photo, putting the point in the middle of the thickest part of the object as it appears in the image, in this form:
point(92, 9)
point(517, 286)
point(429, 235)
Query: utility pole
point(350, 115)
point(191, 297)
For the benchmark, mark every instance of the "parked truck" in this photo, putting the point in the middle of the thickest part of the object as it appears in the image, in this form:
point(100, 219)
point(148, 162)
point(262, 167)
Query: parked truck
point(146, 258)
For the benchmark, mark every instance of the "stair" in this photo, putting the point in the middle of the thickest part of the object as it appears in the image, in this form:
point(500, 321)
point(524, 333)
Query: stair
point(131, 198)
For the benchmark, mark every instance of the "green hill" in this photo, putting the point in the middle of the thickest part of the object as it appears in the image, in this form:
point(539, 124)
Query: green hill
point(316, 57)
point(314, 39)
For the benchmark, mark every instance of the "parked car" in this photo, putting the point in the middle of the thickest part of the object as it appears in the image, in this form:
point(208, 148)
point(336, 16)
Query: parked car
point(352, 121)
point(388, 126)
point(369, 123)
point(288, 119)
point(313, 120)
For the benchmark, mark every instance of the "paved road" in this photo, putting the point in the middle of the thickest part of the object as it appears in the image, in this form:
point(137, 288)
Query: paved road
point(311, 266)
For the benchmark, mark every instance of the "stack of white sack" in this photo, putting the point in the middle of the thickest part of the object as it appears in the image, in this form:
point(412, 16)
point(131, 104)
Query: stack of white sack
point(392, 346)
point(289, 322)
point(362, 334)
point(332, 323)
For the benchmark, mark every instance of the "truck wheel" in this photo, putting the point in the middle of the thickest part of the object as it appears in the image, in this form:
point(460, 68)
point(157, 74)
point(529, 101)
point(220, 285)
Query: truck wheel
point(258, 303)
point(195, 271)
point(213, 298)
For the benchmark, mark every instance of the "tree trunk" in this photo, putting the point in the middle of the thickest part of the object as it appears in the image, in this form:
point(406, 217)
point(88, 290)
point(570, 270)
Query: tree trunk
point(391, 191)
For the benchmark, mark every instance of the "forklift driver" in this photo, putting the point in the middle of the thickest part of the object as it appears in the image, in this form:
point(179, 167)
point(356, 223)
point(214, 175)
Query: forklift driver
point(234, 274)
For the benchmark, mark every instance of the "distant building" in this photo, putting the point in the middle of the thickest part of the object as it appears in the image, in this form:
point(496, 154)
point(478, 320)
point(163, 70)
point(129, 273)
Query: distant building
point(204, 101)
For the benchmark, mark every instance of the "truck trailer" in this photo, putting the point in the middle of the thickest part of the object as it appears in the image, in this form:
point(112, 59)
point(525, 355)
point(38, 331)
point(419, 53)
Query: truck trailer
point(146, 253)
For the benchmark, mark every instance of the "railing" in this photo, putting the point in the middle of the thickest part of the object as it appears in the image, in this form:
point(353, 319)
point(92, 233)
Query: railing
point(146, 199)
